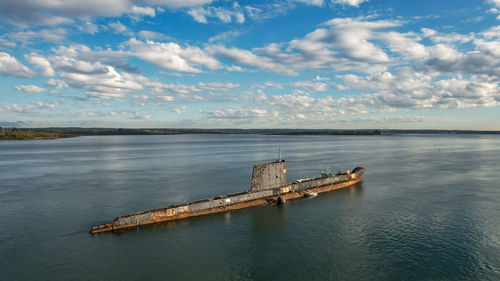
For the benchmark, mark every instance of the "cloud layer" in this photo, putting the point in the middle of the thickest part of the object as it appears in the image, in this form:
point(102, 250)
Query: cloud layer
point(154, 60)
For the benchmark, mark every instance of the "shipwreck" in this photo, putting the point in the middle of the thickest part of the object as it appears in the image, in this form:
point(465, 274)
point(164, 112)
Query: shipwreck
point(268, 186)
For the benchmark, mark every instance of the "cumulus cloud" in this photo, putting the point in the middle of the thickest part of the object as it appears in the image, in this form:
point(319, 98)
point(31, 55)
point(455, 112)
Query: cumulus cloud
point(344, 44)
point(180, 3)
point(78, 68)
point(224, 36)
point(48, 12)
point(57, 83)
point(446, 38)
point(179, 110)
point(88, 27)
point(143, 11)
point(11, 66)
point(149, 35)
point(495, 2)
point(311, 86)
point(30, 36)
point(350, 2)
point(187, 89)
point(352, 37)
point(42, 63)
point(96, 78)
point(404, 44)
point(235, 13)
point(446, 59)
point(129, 114)
point(384, 92)
point(118, 27)
point(238, 112)
point(18, 108)
point(171, 56)
point(358, 44)
point(248, 58)
point(30, 89)
point(49, 105)
point(117, 59)
point(318, 3)
point(260, 12)
point(410, 90)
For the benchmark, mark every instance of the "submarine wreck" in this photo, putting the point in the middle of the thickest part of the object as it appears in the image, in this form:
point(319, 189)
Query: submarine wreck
point(268, 185)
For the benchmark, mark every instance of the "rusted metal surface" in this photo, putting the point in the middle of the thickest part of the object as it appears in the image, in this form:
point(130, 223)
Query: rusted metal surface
point(233, 201)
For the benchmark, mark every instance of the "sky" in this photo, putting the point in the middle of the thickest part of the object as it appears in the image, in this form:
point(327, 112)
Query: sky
point(315, 64)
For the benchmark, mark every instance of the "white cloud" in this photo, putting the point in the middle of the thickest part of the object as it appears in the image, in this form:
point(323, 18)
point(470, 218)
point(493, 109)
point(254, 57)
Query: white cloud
point(148, 34)
point(143, 11)
point(235, 13)
point(404, 44)
point(311, 86)
point(344, 46)
point(129, 114)
point(318, 3)
point(171, 56)
point(384, 92)
point(179, 3)
point(117, 59)
point(30, 89)
point(49, 105)
point(165, 98)
point(235, 68)
point(179, 110)
point(118, 27)
point(188, 89)
point(27, 11)
point(57, 83)
point(447, 38)
point(224, 36)
point(419, 91)
point(351, 37)
point(491, 48)
point(495, 2)
point(238, 112)
point(88, 27)
point(492, 33)
point(18, 108)
point(248, 58)
point(268, 84)
point(47, 35)
point(54, 12)
point(200, 14)
point(96, 78)
point(446, 59)
point(42, 63)
point(349, 2)
point(11, 66)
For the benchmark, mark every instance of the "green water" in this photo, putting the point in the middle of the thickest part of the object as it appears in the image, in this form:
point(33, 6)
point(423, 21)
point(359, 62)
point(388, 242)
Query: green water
point(428, 209)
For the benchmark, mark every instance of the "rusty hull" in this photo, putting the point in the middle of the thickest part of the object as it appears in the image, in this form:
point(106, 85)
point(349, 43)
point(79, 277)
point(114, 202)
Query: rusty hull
point(165, 214)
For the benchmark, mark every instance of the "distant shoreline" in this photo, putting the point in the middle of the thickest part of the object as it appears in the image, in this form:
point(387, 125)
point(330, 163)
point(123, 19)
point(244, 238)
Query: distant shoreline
point(57, 133)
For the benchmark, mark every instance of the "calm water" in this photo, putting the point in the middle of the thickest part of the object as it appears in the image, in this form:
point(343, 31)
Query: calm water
point(428, 209)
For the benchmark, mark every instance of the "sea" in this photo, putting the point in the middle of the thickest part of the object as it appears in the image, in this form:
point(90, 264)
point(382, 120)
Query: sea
point(428, 208)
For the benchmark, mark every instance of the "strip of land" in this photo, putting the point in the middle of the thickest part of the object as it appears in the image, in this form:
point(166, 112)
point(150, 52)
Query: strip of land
point(67, 132)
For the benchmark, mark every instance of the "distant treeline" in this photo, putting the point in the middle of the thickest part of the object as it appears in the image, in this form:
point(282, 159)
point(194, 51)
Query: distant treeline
point(29, 134)
point(50, 133)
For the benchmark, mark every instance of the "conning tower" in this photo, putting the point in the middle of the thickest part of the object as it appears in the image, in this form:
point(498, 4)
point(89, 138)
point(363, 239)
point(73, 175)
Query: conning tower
point(269, 175)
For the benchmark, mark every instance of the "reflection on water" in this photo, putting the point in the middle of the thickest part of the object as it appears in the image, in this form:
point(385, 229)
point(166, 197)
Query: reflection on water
point(427, 209)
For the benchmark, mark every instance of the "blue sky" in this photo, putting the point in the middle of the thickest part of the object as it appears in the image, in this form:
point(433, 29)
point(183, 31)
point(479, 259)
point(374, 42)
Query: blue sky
point(337, 64)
